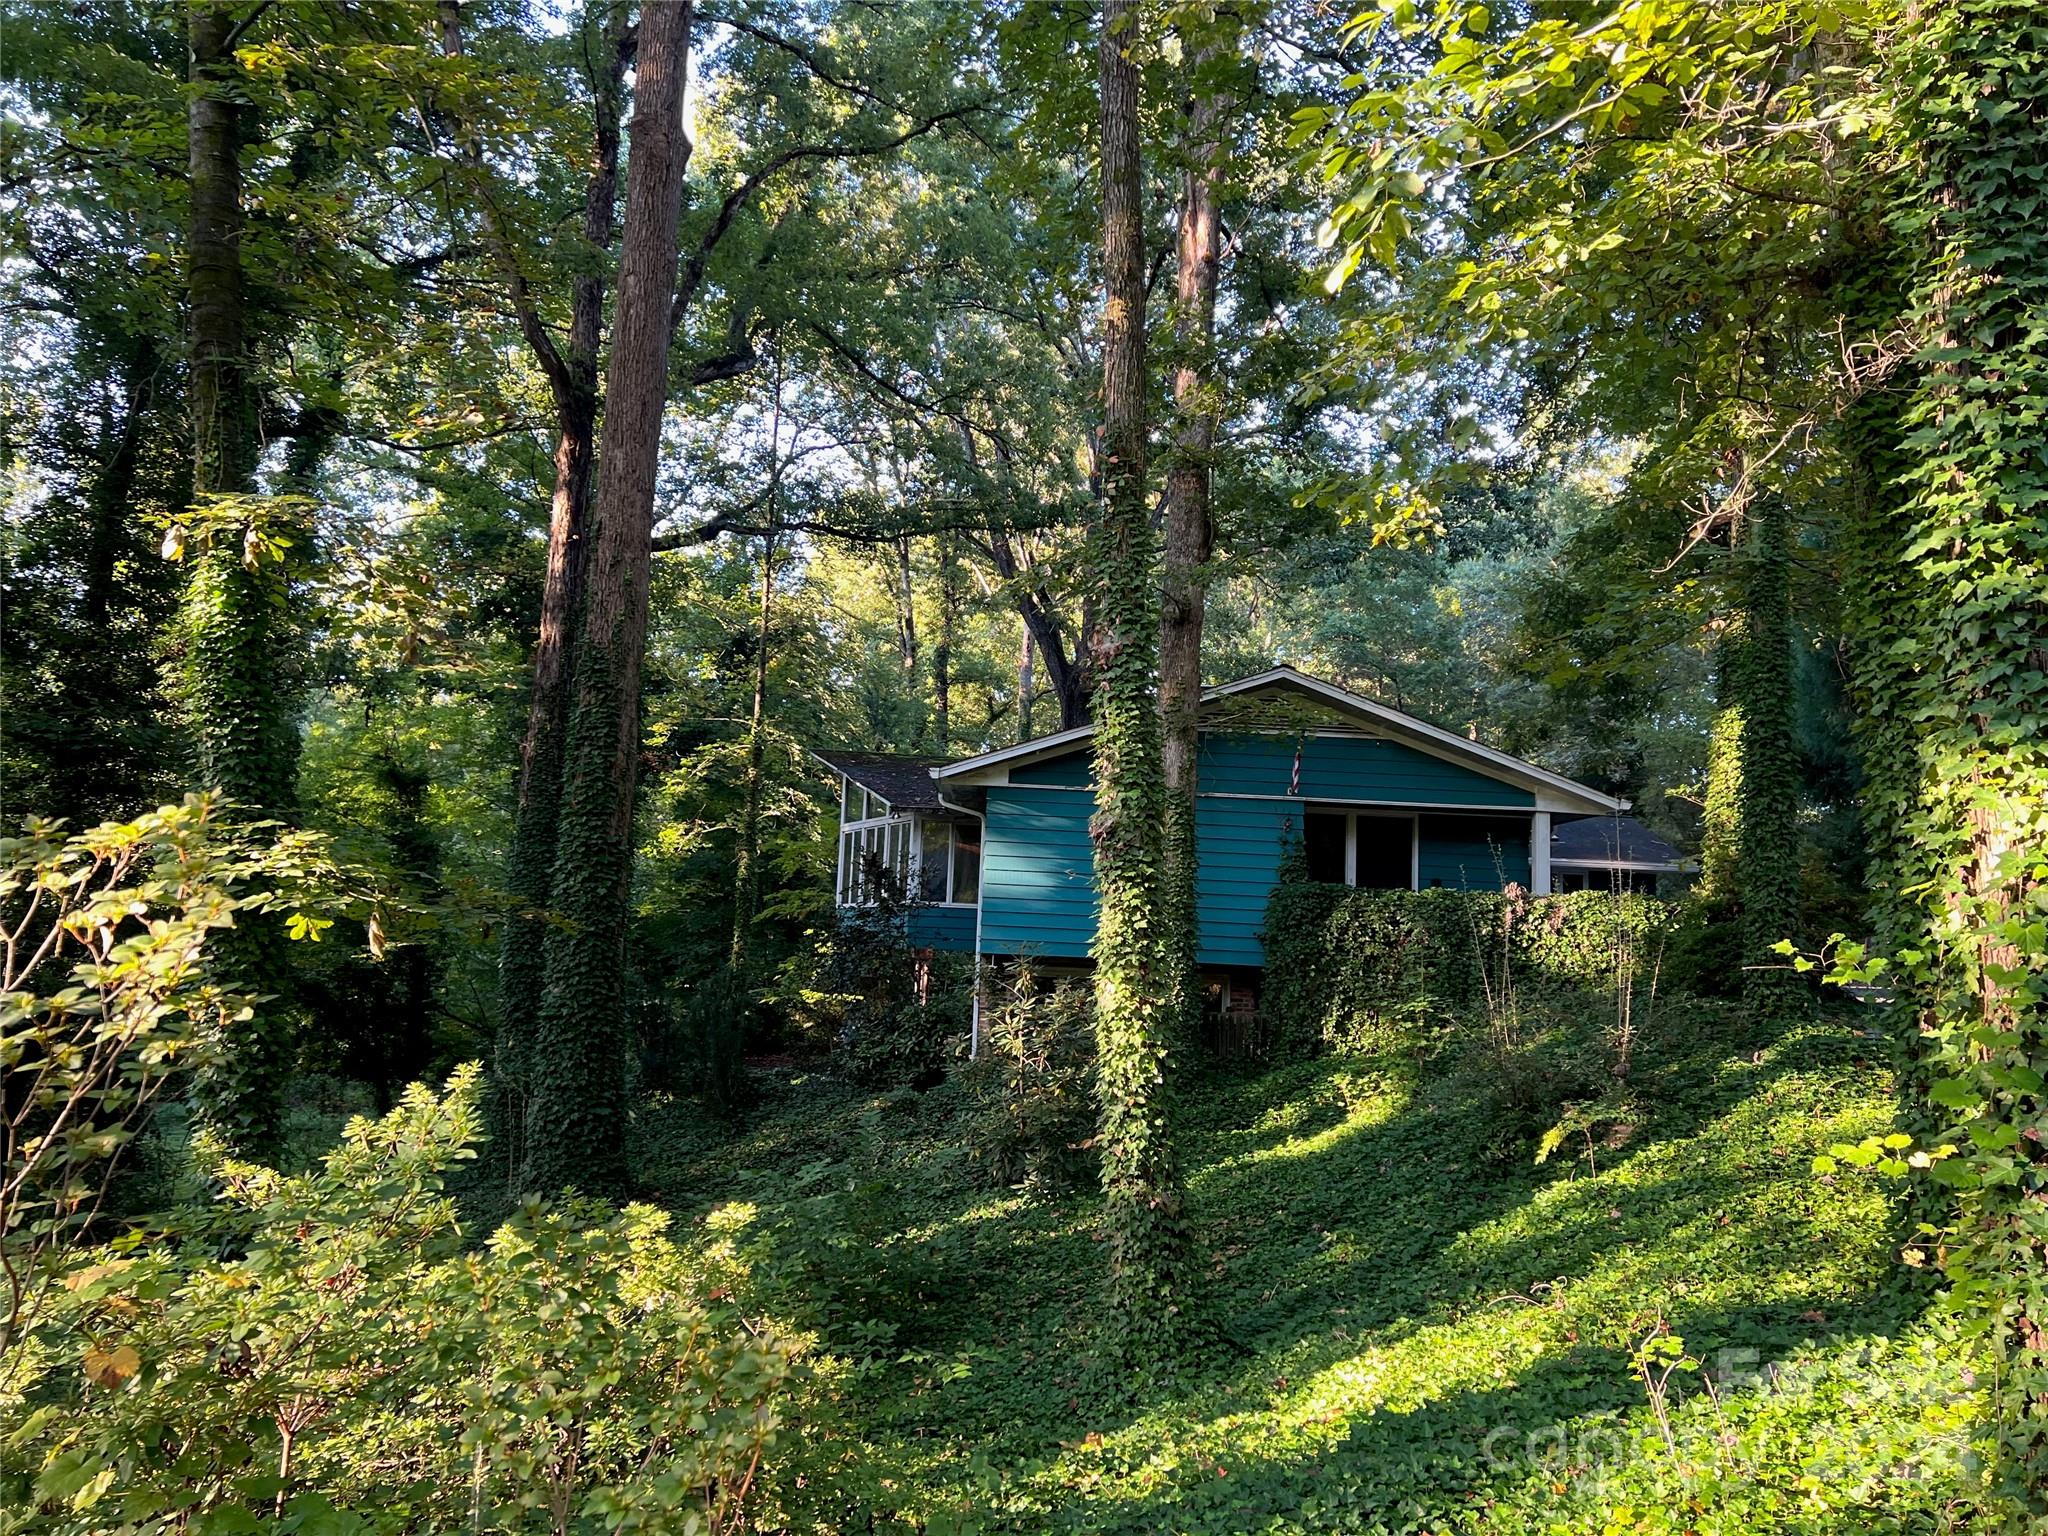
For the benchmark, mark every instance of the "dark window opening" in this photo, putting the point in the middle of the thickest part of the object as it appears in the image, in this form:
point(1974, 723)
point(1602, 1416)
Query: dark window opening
point(1386, 853)
point(1322, 837)
point(967, 863)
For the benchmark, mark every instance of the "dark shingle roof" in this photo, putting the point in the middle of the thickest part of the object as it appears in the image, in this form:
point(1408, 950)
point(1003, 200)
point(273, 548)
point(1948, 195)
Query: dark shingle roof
point(905, 782)
point(1609, 840)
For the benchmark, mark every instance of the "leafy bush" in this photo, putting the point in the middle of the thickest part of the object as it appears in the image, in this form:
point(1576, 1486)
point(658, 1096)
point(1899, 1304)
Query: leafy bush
point(354, 1365)
point(109, 992)
point(1373, 971)
point(1031, 1091)
point(1705, 932)
point(896, 1010)
point(699, 1043)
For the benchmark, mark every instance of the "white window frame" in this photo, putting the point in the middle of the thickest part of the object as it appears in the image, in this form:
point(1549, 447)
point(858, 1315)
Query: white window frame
point(952, 865)
point(846, 877)
point(846, 890)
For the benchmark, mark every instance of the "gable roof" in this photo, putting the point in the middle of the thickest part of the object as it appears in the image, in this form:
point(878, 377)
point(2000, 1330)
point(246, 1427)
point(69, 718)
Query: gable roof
point(1611, 840)
point(905, 782)
point(1553, 790)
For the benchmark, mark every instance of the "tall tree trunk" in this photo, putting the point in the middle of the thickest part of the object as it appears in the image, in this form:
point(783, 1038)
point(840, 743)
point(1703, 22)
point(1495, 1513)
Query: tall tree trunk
point(235, 621)
point(576, 1125)
point(113, 488)
point(1190, 529)
point(942, 653)
point(906, 607)
point(96, 671)
point(1721, 816)
point(572, 375)
point(1767, 839)
point(1134, 1014)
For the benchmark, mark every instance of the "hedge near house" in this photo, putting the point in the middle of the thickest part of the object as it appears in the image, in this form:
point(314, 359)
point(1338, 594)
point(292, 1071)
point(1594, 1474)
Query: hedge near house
point(1365, 970)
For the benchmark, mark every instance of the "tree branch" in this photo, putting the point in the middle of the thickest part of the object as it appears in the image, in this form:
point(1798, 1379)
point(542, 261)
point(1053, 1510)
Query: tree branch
point(728, 209)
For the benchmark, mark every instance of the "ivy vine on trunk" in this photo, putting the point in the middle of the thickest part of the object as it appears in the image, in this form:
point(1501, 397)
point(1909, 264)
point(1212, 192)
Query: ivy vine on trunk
point(1954, 683)
point(577, 1117)
point(1135, 1006)
point(234, 623)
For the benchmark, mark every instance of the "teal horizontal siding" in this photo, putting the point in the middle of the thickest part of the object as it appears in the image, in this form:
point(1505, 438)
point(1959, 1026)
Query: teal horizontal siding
point(1037, 873)
point(1457, 854)
point(947, 928)
point(1037, 880)
point(1238, 846)
point(1346, 768)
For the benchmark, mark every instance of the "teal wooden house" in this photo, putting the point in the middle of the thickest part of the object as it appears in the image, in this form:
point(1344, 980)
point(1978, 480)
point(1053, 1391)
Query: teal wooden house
point(994, 849)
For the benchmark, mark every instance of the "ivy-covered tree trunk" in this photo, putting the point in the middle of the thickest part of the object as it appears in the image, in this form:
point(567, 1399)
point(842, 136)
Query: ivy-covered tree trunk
point(576, 1122)
point(1954, 686)
point(1135, 1006)
point(572, 374)
point(234, 621)
point(1189, 525)
point(1767, 818)
point(1721, 818)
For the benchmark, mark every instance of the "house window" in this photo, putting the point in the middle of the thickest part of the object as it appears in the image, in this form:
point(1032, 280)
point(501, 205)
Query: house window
point(1385, 847)
point(949, 862)
point(1361, 848)
point(935, 860)
point(875, 837)
point(1323, 838)
point(967, 863)
point(931, 861)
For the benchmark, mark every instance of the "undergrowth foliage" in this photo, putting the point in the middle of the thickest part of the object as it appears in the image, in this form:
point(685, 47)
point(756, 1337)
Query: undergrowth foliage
point(329, 1351)
point(1032, 1086)
point(894, 1009)
point(1359, 970)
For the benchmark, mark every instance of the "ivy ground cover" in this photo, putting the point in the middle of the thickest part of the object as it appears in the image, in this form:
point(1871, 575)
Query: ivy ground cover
point(1406, 1324)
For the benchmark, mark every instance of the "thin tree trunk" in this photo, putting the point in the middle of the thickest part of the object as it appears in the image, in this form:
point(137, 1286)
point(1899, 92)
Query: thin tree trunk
point(747, 881)
point(1767, 874)
point(942, 653)
point(1025, 684)
point(906, 607)
point(1189, 526)
point(1140, 1178)
point(113, 488)
point(576, 1125)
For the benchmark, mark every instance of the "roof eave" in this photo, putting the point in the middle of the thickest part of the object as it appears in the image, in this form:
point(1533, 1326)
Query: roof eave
point(1553, 791)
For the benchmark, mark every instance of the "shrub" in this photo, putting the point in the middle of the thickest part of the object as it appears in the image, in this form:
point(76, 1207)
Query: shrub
point(354, 1365)
point(1706, 932)
point(1385, 971)
point(1031, 1090)
point(896, 1009)
point(698, 1045)
point(110, 993)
